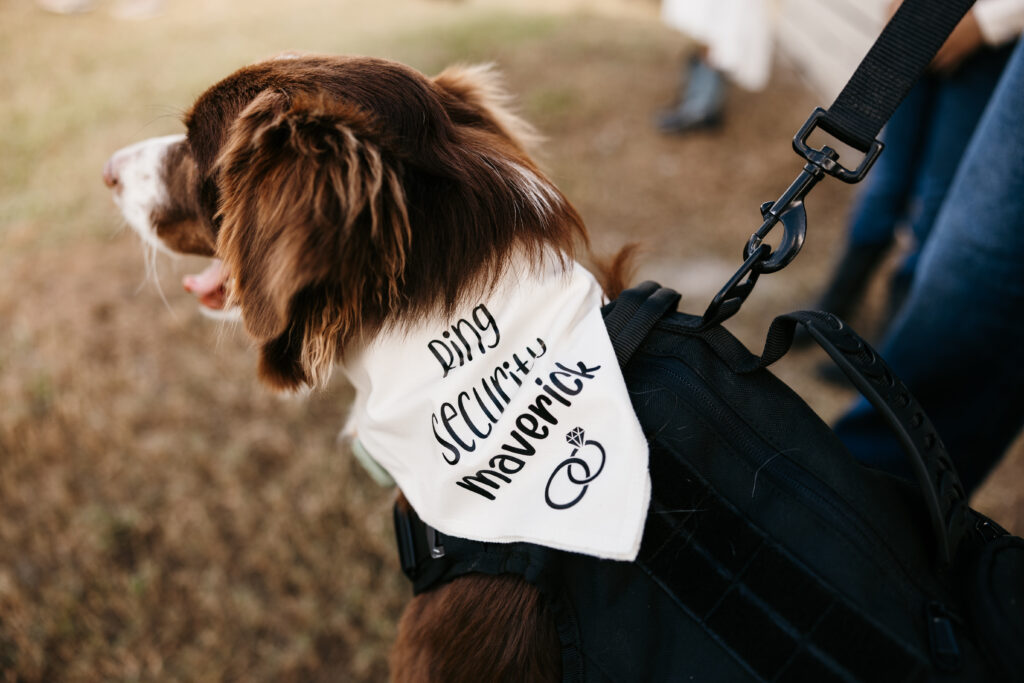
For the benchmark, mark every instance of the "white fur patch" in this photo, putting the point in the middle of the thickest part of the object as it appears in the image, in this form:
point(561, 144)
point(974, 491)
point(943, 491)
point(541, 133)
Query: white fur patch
point(140, 188)
point(231, 314)
point(535, 191)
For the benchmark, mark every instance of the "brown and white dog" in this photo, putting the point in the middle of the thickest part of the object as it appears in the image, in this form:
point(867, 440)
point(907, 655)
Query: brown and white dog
point(340, 196)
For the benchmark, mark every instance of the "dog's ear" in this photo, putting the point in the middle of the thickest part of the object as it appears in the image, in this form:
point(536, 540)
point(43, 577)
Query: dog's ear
point(482, 89)
point(314, 230)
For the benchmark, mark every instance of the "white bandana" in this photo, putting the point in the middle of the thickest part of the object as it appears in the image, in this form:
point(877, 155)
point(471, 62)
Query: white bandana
point(511, 422)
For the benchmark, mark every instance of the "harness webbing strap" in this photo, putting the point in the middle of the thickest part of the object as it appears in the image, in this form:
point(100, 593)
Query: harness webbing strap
point(619, 312)
point(457, 557)
point(633, 315)
point(896, 60)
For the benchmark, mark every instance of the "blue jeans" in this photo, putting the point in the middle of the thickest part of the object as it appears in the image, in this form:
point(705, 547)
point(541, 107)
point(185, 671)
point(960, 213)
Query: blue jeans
point(958, 342)
point(925, 140)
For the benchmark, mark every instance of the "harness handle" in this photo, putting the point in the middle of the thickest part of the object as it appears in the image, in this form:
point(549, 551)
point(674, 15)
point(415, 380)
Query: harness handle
point(941, 489)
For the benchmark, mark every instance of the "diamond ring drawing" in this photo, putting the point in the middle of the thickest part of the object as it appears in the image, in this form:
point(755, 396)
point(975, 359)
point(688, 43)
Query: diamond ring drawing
point(563, 492)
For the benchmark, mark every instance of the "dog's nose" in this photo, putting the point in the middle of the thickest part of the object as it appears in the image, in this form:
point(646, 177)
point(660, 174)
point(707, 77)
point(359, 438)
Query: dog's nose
point(110, 173)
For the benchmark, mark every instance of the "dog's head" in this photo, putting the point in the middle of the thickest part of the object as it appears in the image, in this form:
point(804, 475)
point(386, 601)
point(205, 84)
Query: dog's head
point(341, 196)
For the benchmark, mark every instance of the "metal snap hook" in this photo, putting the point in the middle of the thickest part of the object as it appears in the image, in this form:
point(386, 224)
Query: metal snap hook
point(794, 226)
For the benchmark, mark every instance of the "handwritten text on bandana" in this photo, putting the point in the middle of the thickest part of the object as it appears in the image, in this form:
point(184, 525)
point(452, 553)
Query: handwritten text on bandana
point(511, 422)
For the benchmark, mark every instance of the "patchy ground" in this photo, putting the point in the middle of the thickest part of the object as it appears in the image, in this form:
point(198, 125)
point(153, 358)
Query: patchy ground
point(164, 517)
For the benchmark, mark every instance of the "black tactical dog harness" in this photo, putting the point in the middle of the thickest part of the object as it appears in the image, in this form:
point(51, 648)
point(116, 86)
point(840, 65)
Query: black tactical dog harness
point(768, 552)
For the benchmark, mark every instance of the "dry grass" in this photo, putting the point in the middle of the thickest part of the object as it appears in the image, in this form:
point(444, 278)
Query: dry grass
point(162, 517)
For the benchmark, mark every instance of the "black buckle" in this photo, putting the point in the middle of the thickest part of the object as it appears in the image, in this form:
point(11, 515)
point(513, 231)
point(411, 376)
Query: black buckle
point(408, 528)
point(988, 530)
point(434, 544)
point(404, 536)
point(823, 157)
point(942, 641)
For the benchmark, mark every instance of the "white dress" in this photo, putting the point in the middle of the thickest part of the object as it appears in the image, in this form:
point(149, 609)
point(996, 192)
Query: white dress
point(739, 35)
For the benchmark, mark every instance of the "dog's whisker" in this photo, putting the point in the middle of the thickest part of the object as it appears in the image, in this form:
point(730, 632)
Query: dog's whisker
point(150, 254)
point(168, 112)
point(119, 228)
point(224, 328)
point(159, 287)
point(147, 252)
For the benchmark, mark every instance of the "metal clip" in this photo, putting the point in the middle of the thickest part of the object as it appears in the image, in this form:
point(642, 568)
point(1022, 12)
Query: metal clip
point(789, 209)
point(404, 534)
point(758, 256)
point(834, 169)
point(942, 638)
point(794, 224)
point(736, 290)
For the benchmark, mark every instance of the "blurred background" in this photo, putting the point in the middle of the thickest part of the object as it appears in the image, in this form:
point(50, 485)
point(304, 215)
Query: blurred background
point(164, 517)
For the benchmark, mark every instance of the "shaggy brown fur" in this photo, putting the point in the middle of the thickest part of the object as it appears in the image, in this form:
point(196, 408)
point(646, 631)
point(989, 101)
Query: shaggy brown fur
point(177, 222)
point(350, 194)
point(347, 195)
point(477, 628)
point(493, 628)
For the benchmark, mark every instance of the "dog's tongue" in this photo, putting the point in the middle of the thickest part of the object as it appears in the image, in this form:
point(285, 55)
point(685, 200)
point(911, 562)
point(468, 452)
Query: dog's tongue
point(208, 286)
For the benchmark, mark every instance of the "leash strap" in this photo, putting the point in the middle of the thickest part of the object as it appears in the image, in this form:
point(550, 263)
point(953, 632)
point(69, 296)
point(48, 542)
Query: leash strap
point(896, 60)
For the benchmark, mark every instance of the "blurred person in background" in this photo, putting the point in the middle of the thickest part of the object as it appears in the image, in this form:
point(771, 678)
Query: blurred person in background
point(735, 40)
point(957, 341)
point(123, 9)
point(924, 142)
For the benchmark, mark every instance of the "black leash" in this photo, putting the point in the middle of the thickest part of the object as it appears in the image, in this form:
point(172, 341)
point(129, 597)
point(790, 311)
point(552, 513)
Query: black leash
point(897, 59)
point(892, 65)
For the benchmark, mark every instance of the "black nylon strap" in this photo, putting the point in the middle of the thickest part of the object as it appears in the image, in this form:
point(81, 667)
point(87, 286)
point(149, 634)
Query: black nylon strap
point(460, 556)
point(619, 312)
point(896, 60)
point(634, 331)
